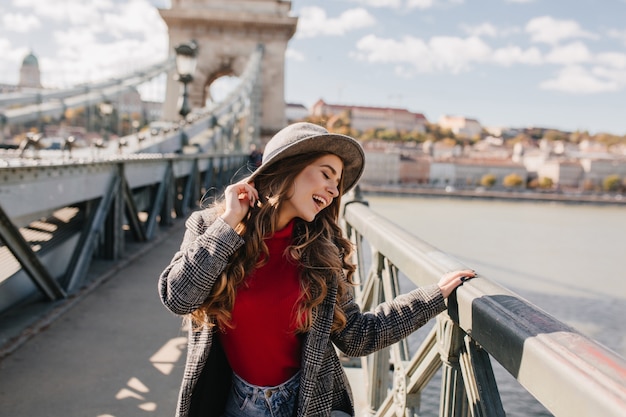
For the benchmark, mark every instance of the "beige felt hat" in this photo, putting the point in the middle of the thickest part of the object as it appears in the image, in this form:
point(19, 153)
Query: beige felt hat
point(302, 137)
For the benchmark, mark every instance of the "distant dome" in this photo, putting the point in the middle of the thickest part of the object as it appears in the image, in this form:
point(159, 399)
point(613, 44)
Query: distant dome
point(30, 61)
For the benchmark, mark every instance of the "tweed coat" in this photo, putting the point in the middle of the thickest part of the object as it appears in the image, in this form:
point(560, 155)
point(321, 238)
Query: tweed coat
point(187, 281)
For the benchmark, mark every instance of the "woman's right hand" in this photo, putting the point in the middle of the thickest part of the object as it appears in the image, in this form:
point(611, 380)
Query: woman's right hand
point(239, 197)
point(451, 280)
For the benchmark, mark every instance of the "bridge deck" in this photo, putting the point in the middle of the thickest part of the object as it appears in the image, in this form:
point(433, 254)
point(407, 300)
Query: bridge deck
point(114, 350)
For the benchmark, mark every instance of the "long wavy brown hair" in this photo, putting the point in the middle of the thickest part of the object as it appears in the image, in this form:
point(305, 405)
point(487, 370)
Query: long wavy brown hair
point(319, 248)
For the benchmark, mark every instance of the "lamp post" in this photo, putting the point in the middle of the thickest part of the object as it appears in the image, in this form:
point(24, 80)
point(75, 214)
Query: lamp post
point(106, 108)
point(186, 66)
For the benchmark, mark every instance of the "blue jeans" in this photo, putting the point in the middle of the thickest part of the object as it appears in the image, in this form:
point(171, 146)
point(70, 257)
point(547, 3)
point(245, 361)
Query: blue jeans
point(247, 400)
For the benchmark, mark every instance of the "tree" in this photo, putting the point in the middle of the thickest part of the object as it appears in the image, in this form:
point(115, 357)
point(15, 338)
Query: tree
point(488, 180)
point(545, 182)
point(512, 181)
point(612, 183)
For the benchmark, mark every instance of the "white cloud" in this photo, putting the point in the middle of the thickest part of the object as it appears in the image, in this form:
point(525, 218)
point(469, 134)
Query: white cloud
point(420, 4)
point(546, 29)
point(72, 11)
point(573, 53)
point(17, 22)
point(515, 55)
point(108, 46)
point(489, 30)
point(450, 54)
point(616, 75)
point(485, 29)
point(392, 4)
point(314, 22)
point(125, 20)
point(618, 34)
point(579, 80)
point(292, 54)
point(9, 54)
point(458, 53)
point(408, 4)
point(612, 59)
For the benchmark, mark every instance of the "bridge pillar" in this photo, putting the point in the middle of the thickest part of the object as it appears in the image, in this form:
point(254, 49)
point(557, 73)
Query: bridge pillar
point(227, 33)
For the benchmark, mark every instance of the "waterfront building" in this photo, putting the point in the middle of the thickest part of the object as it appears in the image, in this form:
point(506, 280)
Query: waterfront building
point(461, 126)
point(464, 172)
point(490, 147)
point(383, 167)
point(597, 169)
point(414, 169)
point(367, 117)
point(565, 173)
point(443, 149)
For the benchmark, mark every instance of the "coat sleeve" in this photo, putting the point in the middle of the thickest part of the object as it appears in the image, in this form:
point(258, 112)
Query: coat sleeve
point(389, 322)
point(207, 246)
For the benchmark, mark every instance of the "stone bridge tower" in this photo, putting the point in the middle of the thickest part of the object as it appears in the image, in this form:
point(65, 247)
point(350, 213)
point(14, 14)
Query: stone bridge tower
point(227, 32)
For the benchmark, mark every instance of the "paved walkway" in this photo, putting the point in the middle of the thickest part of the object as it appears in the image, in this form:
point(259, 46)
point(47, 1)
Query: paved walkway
point(115, 351)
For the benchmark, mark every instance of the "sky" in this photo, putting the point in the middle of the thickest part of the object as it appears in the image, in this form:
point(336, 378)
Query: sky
point(506, 63)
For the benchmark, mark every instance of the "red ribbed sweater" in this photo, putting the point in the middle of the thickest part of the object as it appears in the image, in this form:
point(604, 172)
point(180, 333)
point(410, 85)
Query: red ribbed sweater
point(263, 347)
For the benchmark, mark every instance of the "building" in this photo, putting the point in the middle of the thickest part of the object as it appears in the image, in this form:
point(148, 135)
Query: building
point(468, 172)
point(382, 167)
point(597, 169)
point(153, 110)
point(8, 88)
point(414, 169)
point(366, 117)
point(565, 173)
point(461, 126)
point(296, 112)
point(30, 76)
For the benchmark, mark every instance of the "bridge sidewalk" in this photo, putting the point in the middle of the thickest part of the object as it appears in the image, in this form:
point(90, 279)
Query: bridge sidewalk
point(115, 351)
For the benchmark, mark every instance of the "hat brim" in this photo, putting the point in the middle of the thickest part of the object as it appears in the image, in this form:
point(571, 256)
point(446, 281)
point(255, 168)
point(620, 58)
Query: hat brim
point(345, 147)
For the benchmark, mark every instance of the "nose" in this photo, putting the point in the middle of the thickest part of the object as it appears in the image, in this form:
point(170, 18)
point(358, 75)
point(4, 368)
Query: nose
point(333, 190)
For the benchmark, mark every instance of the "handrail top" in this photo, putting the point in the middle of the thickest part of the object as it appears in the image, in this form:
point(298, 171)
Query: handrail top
point(545, 355)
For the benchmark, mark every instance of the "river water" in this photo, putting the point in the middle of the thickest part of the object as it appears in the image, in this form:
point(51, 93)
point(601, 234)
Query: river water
point(567, 259)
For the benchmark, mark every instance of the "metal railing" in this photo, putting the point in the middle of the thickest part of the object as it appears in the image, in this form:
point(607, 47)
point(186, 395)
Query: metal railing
point(568, 373)
point(110, 203)
point(29, 106)
point(57, 213)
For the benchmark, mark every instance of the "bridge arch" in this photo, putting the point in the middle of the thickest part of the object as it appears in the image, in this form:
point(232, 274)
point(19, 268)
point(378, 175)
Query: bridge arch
point(227, 34)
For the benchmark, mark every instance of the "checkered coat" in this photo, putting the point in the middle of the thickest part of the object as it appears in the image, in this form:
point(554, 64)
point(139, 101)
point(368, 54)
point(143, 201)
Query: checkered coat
point(186, 283)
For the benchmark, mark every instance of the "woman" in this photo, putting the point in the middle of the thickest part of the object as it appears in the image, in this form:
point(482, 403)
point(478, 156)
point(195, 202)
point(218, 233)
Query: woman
point(264, 277)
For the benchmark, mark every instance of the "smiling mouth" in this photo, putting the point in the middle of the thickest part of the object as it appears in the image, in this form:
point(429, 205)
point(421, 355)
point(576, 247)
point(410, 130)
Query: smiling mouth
point(321, 202)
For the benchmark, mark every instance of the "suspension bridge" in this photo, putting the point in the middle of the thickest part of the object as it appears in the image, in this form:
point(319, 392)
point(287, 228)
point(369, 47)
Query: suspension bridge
point(84, 239)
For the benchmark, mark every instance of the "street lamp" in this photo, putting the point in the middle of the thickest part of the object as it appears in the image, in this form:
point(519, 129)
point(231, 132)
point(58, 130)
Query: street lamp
point(106, 108)
point(186, 67)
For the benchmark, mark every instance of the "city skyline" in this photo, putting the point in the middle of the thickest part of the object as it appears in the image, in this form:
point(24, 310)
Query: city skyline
point(514, 63)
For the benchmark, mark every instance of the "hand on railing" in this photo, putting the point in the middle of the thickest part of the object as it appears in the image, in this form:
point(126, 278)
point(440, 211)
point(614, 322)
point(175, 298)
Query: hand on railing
point(449, 281)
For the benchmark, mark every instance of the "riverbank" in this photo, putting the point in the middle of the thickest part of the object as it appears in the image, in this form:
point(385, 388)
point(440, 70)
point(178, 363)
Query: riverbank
point(507, 195)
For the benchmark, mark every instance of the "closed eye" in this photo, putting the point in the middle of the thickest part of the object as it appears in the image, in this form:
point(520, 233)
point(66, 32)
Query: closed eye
point(328, 177)
point(330, 172)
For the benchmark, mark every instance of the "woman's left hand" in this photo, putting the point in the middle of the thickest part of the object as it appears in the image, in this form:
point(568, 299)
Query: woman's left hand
point(453, 279)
